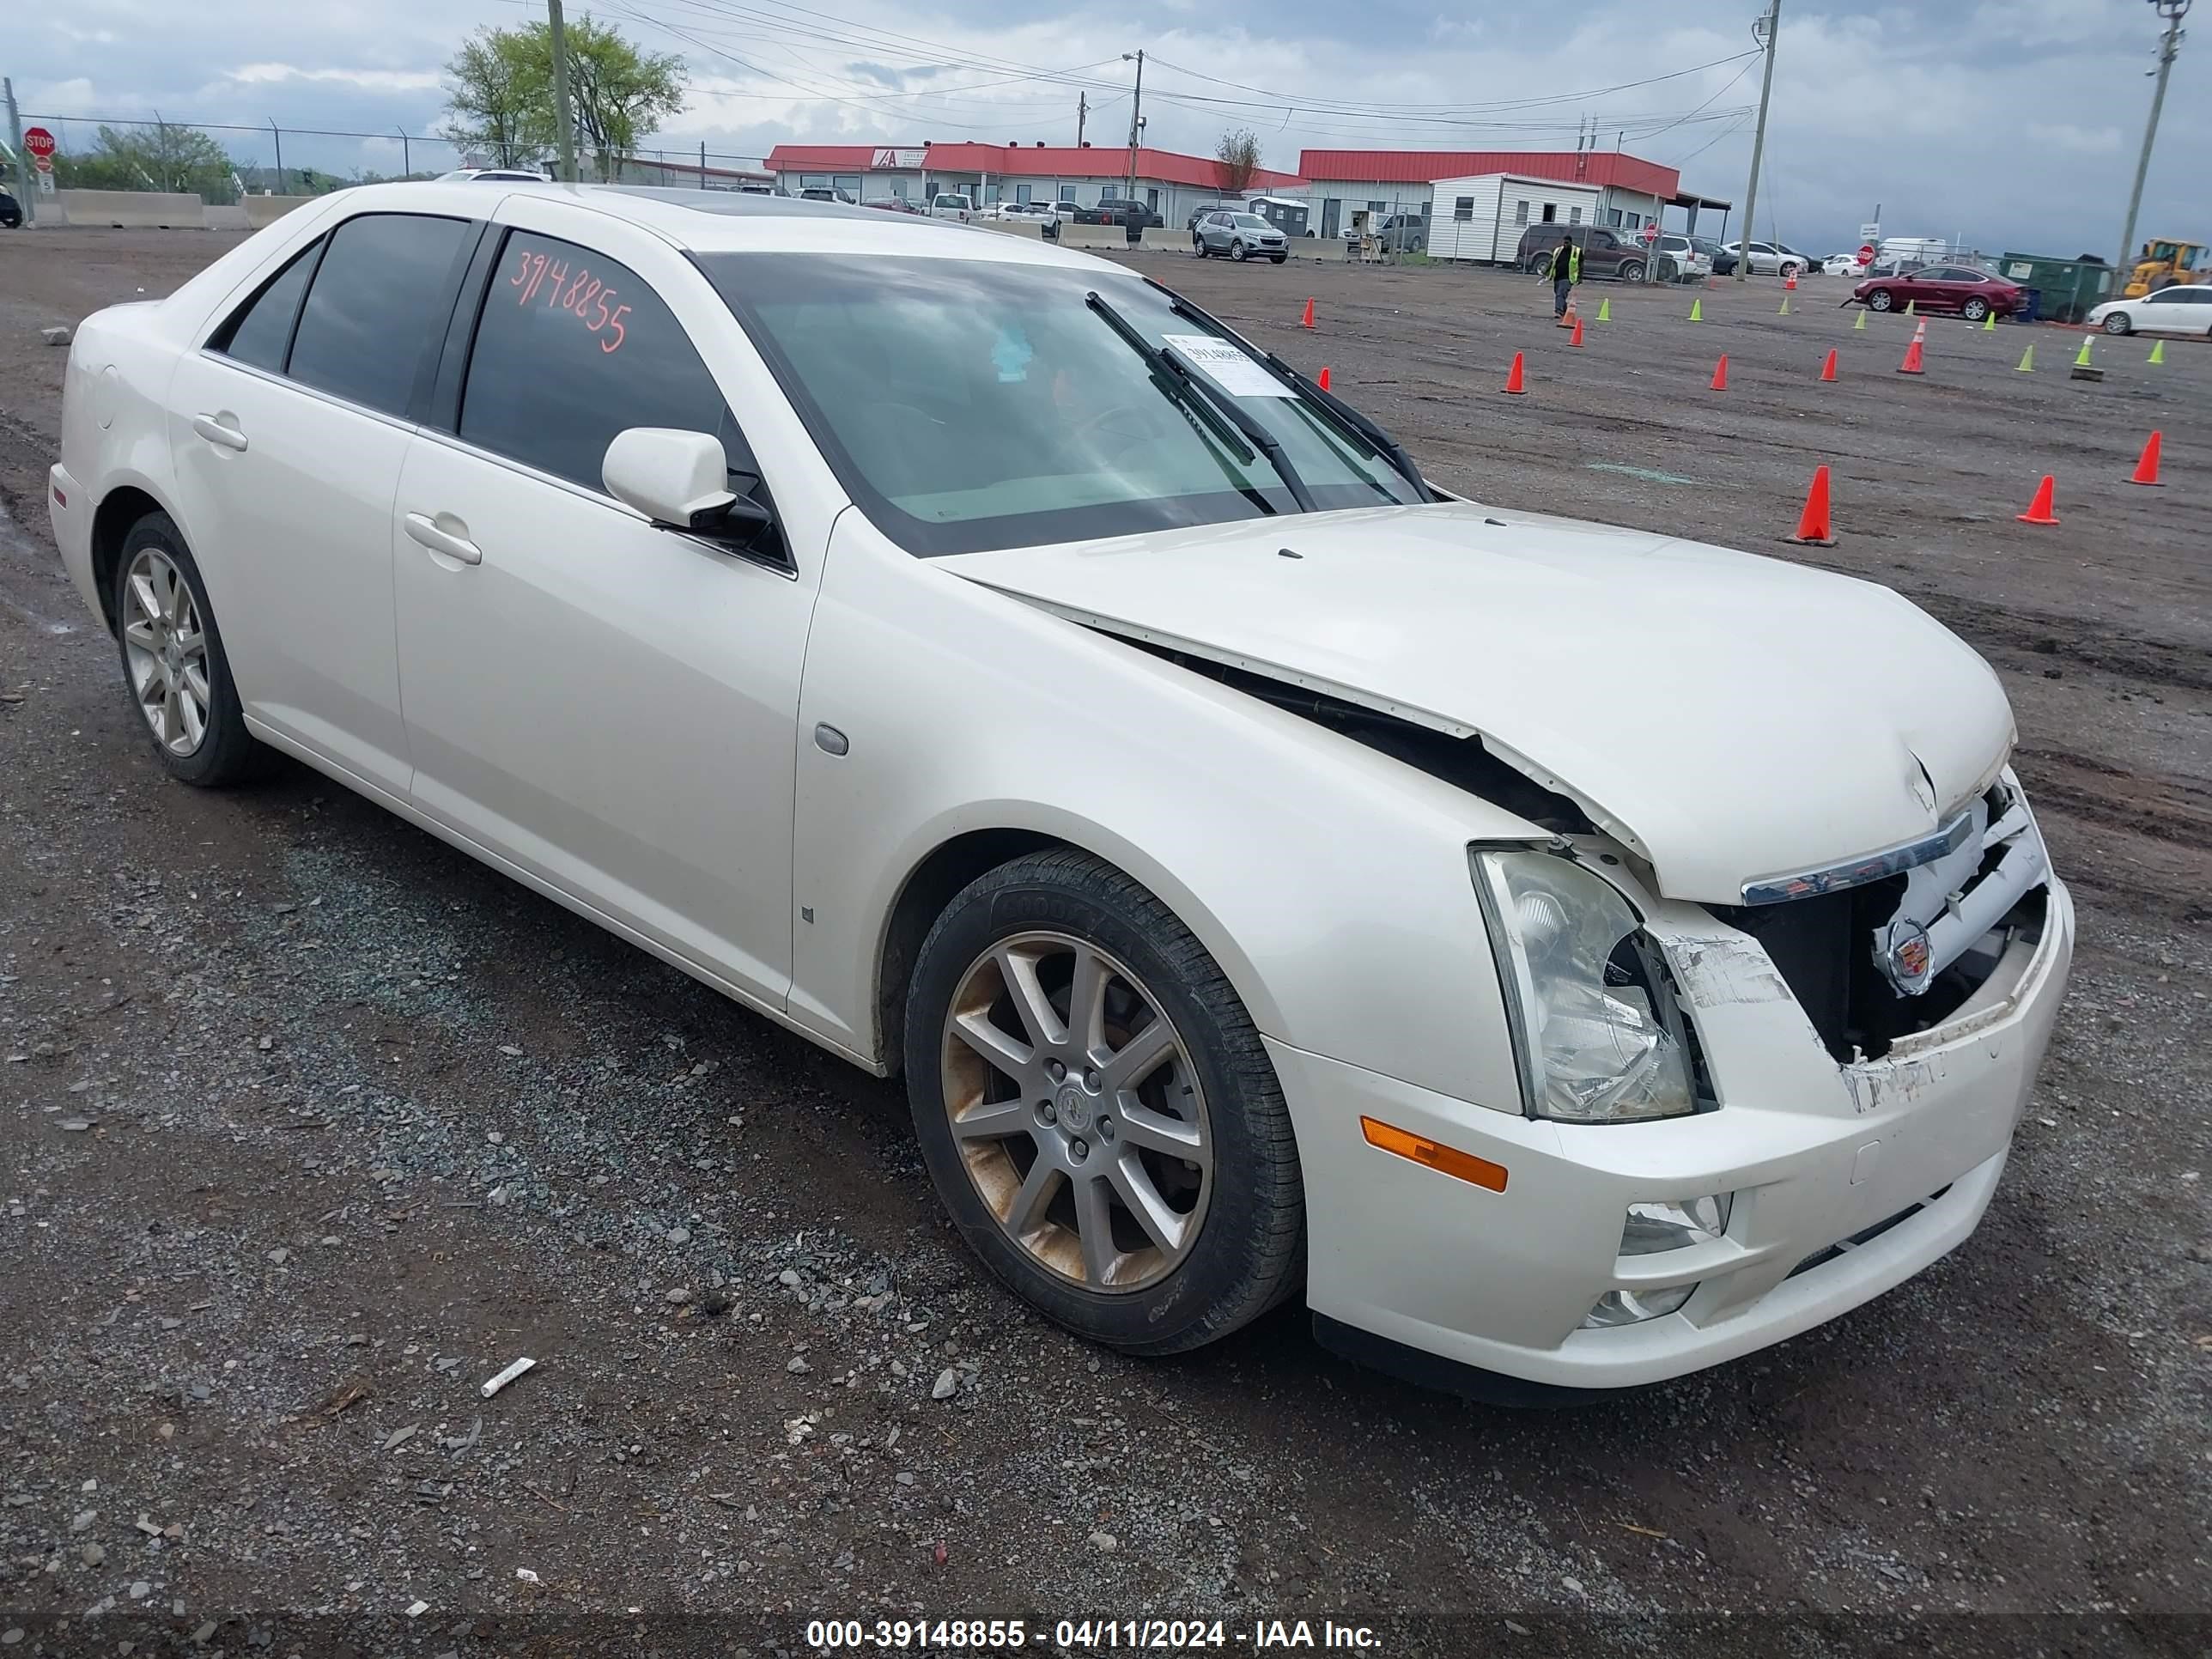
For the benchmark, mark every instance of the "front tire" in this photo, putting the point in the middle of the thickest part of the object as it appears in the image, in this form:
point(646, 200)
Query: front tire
point(1097, 1111)
point(1880, 299)
point(173, 661)
point(1236, 251)
point(2118, 323)
point(1278, 257)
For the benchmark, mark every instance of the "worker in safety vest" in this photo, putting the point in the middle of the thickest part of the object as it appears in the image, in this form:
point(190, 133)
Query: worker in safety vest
point(1566, 272)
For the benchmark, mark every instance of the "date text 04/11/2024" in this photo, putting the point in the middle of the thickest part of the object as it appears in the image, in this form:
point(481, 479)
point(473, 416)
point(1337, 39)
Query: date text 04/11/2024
point(1087, 1635)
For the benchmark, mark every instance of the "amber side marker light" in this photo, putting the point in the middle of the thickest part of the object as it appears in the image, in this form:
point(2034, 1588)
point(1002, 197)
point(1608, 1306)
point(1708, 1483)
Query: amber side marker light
point(1445, 1160)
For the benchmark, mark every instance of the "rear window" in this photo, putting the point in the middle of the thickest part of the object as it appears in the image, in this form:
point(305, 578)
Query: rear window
point(372, 310)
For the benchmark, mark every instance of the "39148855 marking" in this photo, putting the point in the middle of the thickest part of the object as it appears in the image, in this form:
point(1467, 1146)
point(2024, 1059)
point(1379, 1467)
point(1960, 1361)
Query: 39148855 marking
point(934, 1635)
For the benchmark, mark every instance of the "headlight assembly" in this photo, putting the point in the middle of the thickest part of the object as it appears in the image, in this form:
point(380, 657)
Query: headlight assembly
point(1592, 1048)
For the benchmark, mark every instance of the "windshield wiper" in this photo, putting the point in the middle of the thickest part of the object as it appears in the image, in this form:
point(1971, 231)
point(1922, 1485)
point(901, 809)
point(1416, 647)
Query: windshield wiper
point(1341, 414)
point(1195, 393)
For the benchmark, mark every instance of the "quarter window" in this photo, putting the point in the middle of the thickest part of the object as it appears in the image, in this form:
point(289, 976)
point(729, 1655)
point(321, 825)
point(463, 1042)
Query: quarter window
point(374, 308)
point(572, 348)
point(260, 334)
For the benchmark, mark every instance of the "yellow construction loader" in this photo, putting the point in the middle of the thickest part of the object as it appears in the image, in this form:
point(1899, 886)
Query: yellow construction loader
point(2165, 262)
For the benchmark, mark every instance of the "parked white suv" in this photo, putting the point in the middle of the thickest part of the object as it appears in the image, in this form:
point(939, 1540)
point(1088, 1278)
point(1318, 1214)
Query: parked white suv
point(1041, 691)
point(1689, 259)
point(946, 205)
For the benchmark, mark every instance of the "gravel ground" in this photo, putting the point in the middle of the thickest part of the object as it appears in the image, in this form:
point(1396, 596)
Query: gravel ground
point(310, 1125)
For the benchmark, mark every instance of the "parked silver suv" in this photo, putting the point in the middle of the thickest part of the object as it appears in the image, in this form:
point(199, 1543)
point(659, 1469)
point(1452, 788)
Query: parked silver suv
point(1240, 235)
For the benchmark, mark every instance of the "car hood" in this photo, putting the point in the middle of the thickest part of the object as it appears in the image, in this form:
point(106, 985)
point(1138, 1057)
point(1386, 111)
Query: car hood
point(1732, 718)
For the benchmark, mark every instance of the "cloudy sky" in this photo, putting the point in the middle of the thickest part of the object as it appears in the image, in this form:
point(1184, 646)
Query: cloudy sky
point(2013, 122)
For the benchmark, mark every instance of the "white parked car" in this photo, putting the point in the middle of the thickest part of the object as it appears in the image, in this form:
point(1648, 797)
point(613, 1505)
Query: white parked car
point(1240, 846)
point(1688, 259)
point(1843, 265)
point(946, 205)
point(1773, 258)
point(1028, 212)
point(2184, 309)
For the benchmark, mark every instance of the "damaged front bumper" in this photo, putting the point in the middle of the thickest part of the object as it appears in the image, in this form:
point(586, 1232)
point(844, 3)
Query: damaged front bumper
point(1840, 1178)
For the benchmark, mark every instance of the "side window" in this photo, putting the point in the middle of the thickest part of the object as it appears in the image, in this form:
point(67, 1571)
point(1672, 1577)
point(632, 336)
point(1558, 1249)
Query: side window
point(369, 314)
point(571, 349)
point(259, 333)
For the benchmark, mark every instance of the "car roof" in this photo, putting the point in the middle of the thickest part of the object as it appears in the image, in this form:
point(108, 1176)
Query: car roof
point(719, 221)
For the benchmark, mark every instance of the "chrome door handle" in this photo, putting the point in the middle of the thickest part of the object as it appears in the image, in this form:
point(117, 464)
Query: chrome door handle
point(217, 433)
point(423, 529)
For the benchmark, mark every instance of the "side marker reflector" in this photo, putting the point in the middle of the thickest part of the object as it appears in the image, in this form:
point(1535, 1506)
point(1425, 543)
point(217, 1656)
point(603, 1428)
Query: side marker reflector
point(1445, 1160)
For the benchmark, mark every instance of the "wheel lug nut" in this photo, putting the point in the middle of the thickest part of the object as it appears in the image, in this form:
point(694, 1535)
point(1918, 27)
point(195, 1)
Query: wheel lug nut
point(1105, 1128)
point(1079, 1150)
point(1054, 1070)
point(1090, 1080)
point(1046, 1112)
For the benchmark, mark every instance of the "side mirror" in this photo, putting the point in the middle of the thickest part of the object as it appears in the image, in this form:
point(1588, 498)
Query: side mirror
point(678, 479)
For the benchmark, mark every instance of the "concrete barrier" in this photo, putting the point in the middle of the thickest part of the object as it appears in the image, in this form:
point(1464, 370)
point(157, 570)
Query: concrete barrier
point(132, 210)
point(1333, 249)
point(225, 216)
point(1034, 229)
point(1093, 236)
point(268, 209)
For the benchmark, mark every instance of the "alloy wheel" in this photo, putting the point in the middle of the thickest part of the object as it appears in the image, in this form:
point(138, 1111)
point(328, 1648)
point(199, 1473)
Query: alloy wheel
point(167, 650)
point(1077, 1111)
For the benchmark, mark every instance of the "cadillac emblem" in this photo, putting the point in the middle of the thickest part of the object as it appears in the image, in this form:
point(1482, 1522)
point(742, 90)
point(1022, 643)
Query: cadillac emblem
point(1906, 956)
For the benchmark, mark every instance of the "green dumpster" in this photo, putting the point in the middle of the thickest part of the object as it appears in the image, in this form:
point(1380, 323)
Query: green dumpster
point(2069, 288)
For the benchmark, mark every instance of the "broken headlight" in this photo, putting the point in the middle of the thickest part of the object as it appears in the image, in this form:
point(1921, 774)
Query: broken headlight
point(1591, 1051)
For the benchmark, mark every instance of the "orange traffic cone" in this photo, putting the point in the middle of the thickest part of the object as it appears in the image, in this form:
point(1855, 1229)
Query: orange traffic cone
point(1513, 378)
point(1306, 321)
point(1828, 368)
point(1790, 280)
point(1323, 382)
point(1720, 374)
point(1570, 318)
point(2146, 471)
point(1576, 338)
point(1912, 363)
point(1814, 529)
point(2038, 511)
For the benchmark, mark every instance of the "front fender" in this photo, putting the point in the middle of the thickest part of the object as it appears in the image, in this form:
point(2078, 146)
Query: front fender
point(1329, 881)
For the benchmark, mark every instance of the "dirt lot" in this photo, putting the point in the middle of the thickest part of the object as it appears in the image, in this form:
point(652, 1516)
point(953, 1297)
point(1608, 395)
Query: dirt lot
point(309, 1124)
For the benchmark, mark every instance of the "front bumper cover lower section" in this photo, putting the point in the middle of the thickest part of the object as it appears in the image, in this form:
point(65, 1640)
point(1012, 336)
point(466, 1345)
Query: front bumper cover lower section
point(1818, 1156)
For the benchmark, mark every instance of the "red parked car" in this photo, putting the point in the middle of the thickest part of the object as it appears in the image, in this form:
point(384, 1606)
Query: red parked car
point(1971, 292)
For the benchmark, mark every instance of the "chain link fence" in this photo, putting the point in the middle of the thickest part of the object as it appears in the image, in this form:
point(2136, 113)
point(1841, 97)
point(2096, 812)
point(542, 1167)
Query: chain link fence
point(222, 162)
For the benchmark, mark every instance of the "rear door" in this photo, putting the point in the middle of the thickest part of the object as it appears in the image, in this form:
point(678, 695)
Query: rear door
point(605, 705)
point(287, 431)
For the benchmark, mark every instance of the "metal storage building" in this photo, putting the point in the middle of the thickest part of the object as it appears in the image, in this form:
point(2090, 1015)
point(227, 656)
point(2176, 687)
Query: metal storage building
point(1482, 217)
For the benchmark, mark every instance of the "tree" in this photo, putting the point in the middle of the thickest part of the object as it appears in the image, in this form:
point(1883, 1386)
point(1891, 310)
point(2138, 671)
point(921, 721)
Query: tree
point(1236, 161)
point(492, 99)
point(499, 101)
point(159, 157)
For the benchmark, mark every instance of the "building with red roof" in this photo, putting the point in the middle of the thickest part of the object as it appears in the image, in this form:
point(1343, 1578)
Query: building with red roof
point(1631, 193)
point(1168, 182)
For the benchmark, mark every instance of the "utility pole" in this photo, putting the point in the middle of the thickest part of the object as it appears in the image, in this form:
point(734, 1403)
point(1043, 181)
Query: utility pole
point(2168, 48)
point(1136, 123)
point(27, 188)
point(563, 127)
point(406, 152)
point(1082, 116)
point(1764, 36)
point(276, 132)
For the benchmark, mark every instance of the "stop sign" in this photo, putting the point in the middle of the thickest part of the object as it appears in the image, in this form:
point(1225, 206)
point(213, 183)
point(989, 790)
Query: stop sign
point(39, 142)
point(1866, 253)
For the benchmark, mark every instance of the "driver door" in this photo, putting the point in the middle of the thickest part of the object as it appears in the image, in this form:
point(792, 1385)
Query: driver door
point(607, 706)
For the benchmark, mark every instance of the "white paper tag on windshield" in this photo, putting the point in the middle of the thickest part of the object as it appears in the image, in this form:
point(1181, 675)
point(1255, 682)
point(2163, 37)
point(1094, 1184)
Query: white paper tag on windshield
point(1229, 366)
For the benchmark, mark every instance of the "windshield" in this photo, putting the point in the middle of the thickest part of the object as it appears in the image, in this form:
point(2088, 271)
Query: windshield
point(968, 405)
point(1249, 222)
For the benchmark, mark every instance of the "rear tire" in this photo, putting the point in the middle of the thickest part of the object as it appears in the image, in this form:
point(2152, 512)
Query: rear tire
point(174, 663)
point(1006, 958)
point(1975, 309)
point(1632, 271)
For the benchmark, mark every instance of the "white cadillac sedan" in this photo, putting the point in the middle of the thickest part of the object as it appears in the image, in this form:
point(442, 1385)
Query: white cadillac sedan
point(1551, 951)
